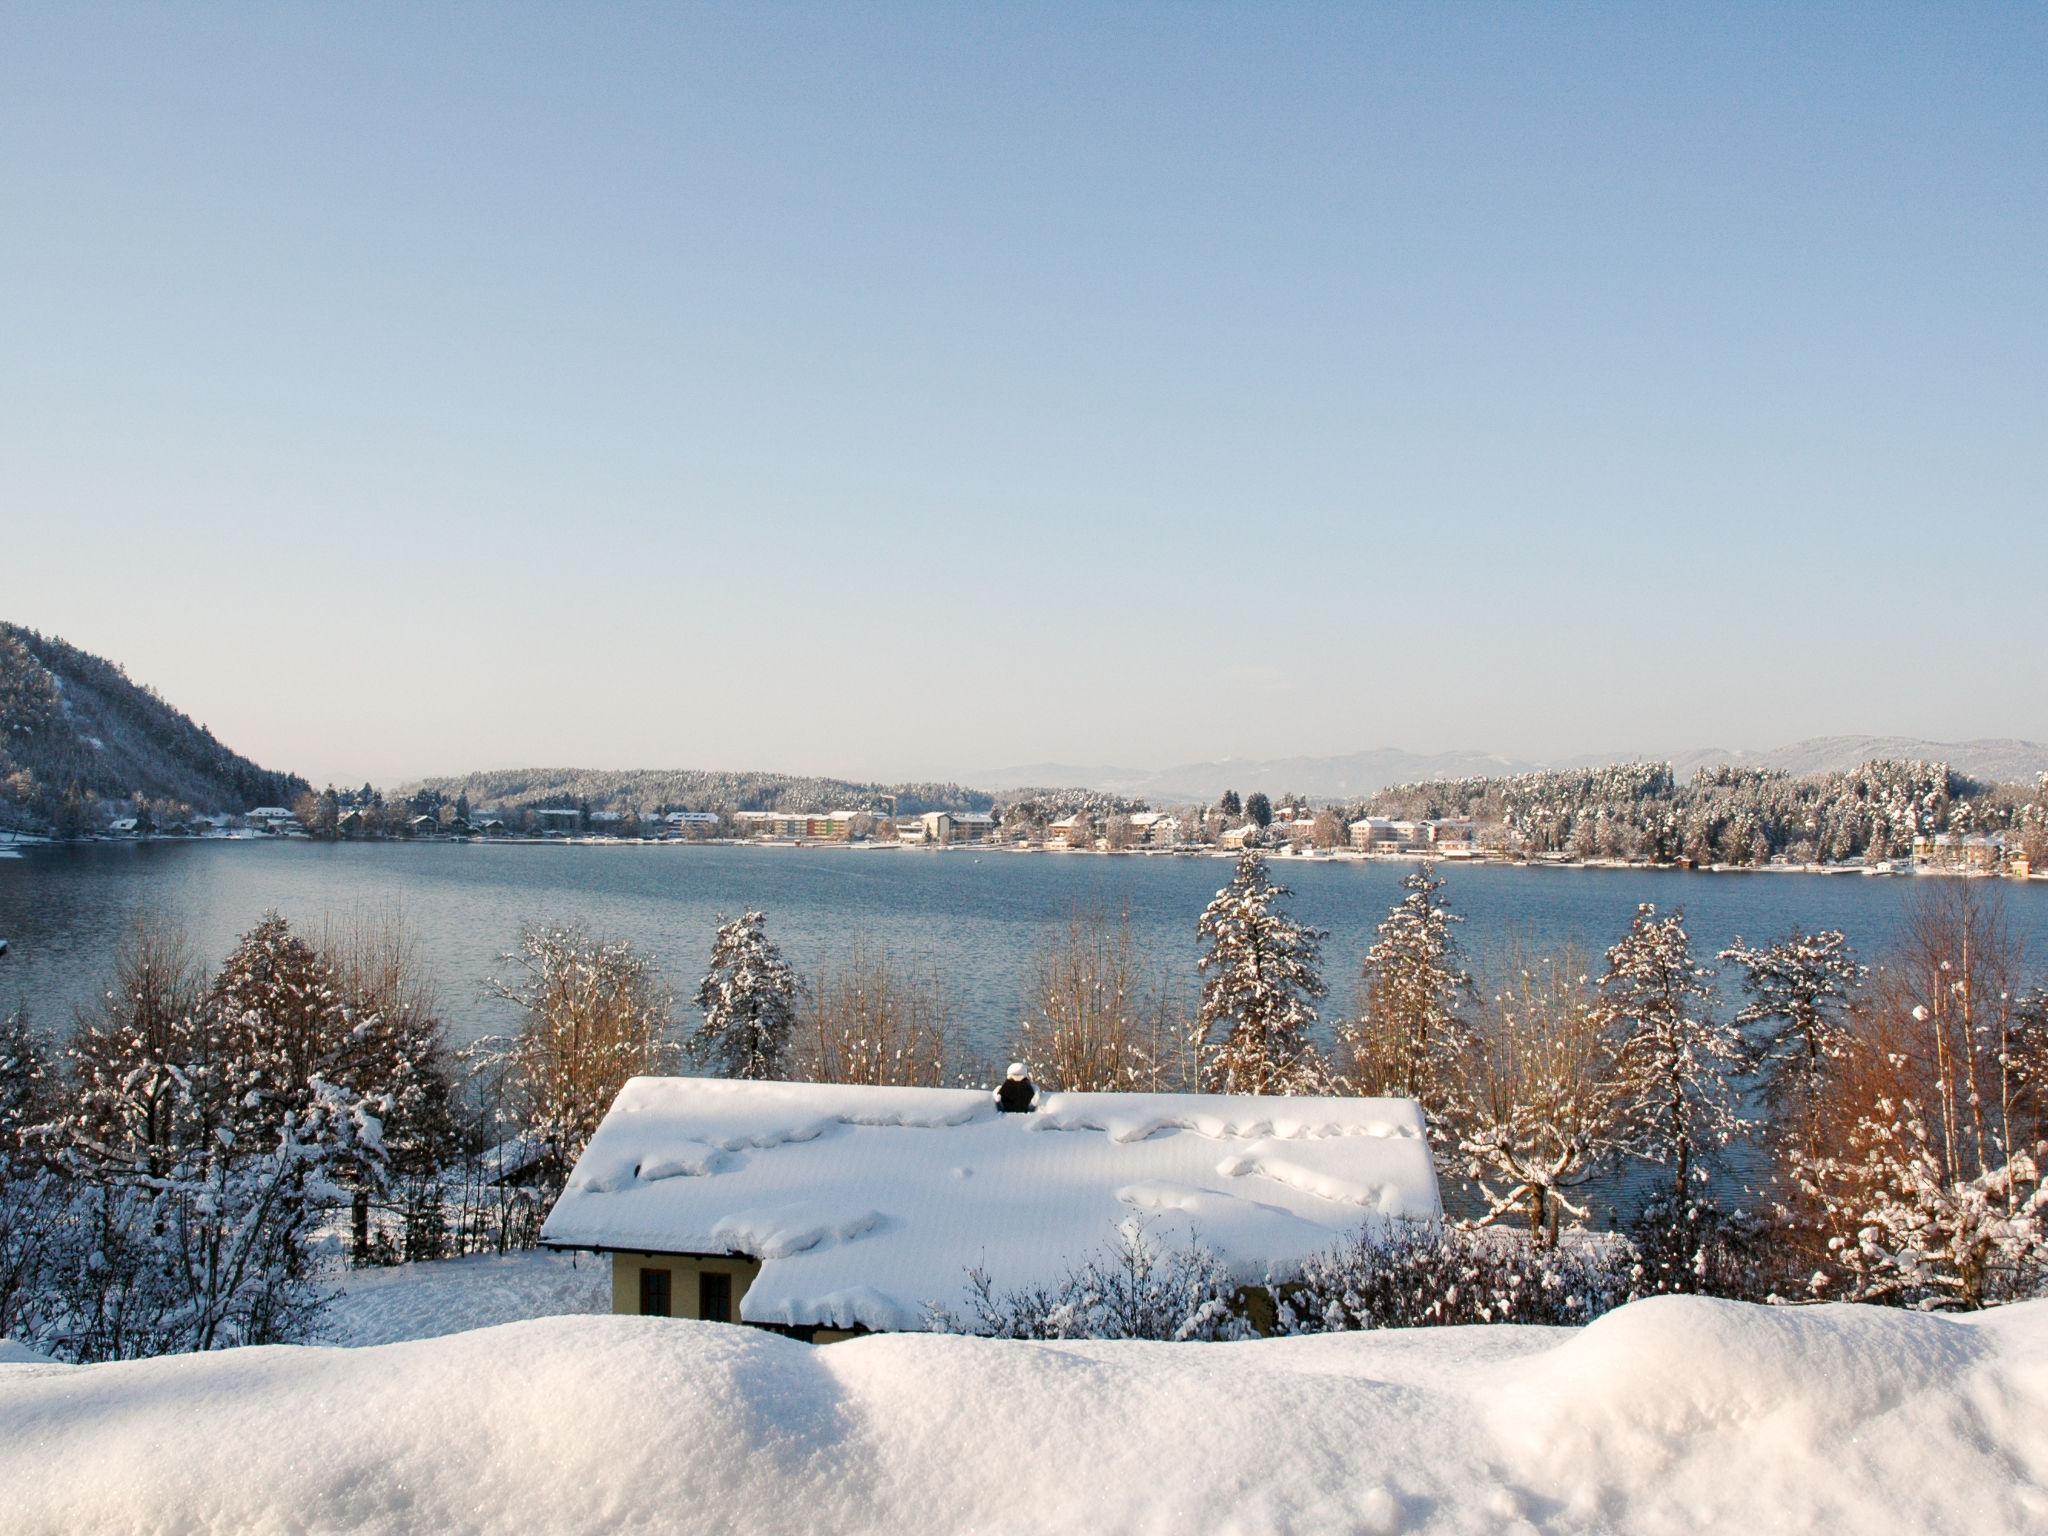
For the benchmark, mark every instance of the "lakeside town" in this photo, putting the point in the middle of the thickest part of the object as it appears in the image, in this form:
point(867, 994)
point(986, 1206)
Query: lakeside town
point(1291, 828)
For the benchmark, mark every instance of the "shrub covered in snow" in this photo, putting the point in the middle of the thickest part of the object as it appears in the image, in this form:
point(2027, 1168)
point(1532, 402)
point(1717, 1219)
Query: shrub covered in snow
point(1411, 1277)
point(1135, 1287)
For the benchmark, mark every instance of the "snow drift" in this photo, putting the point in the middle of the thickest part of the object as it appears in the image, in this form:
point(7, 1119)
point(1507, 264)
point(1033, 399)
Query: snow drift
point(1672, 1415)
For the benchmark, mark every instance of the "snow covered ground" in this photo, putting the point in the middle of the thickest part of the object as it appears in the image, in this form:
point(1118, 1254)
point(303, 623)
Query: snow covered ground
point(1671, 1415)
point(421, 1301)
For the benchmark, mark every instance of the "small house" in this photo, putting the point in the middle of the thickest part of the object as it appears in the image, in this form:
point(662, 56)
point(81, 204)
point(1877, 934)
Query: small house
point(824, 1210)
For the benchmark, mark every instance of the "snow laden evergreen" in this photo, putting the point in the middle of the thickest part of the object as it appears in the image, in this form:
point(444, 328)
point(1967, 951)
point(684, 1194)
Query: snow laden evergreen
point(1798, 992)
point(1261, 976)
point(1408, 1040)
point(1544, 1108)
point(1674, 1063)
point(749, 998)
point(210, 1137)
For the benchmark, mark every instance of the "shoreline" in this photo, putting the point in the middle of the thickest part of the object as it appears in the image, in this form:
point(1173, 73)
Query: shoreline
point(13, 845)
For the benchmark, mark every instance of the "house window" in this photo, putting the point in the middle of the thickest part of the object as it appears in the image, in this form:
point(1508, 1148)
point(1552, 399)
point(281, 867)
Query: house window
point(654, 1293)
point(714, 1297)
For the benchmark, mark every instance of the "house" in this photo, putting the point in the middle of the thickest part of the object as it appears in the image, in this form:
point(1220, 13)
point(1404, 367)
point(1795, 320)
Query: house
point(1155, 829)
point(958, 827)
point(124, 826)
point(693, 822)
point(1973, 853)
point(554, 821)
point(271, 818)
point(1453, 837)
point(1380, 834)
point(825, 1209)
point(424, 826)
point(1239, 837)
point(1075, 831)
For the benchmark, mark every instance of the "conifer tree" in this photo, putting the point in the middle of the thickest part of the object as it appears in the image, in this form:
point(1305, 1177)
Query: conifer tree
point(749, 1000)
point(1262, 975)
point(1675, 1057)
point(1799, 987)
point(1408, 1040)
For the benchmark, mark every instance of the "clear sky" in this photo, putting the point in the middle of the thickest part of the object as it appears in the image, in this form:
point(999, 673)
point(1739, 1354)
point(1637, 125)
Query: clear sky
point(899, 390)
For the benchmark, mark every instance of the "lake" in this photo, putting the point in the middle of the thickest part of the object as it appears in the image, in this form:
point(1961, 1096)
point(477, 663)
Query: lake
point(974, 917)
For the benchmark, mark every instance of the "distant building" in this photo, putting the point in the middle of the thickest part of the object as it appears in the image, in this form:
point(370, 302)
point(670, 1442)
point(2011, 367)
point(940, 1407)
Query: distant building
point(273, 813)
point(814, 826)
point(1076, 831)
point(684, 821)
point(1156, 829)
point(553, 821)
point(1963, 853)
point(1239, 837)
point(944, 827)
point(124, 826)
point(1453, 836)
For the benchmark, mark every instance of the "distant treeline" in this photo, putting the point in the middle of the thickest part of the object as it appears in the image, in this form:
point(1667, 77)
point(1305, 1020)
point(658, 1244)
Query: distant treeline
point(648, 790)
point(1729, 815)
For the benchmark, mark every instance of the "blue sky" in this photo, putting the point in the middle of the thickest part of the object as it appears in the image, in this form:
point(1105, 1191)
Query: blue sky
point(901, 390)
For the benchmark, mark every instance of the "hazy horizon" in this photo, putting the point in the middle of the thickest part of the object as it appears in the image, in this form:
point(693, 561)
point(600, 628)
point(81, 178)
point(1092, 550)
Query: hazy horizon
point(900, 392)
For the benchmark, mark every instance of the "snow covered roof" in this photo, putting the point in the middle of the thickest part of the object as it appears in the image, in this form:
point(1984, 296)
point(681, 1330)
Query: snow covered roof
point(864, 1205)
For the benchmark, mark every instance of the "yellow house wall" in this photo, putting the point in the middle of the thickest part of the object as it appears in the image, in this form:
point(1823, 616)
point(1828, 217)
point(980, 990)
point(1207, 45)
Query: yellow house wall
point(682, 1285)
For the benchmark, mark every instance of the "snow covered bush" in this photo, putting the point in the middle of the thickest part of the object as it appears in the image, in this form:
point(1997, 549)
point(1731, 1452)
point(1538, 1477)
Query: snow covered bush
point(1403, 1276)
point(749, 1000)
point(1136, 1287)
point(1261, 974)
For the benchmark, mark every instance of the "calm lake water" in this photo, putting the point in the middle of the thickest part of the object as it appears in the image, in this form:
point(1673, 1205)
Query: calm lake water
point(975, 917)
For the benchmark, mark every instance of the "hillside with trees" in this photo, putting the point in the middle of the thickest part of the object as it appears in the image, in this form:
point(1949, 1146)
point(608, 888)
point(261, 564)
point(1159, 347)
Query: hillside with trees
point(77, 733)
point(648, 790)
point(1729, 815)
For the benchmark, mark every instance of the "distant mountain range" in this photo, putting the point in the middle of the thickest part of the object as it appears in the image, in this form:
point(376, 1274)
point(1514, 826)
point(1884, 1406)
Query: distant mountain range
point(1354, 776)
point(75, 725)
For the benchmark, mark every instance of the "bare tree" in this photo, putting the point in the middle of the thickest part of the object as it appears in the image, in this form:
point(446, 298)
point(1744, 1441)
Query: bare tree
point(1543, 1109)
point(867, 1022)
point(595, 1015)
point(1094, 1024)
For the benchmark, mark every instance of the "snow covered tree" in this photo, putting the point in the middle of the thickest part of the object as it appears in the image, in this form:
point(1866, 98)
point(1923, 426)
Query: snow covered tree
point(749, 998)
point(143, 1064)
point(1798, 994)
point(30, 1200)
point(1262, 974)
point(1675, 1062)
point(1407, 1040)
point(1543, 1108)
point(595, 1014)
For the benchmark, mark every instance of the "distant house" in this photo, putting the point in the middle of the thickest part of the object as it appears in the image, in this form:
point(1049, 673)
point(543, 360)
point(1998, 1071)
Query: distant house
point(688, 821)
point(424, 826)
point(824, 1210)
point(1452, 836)
point(957, 827)
point(124, 826)
point(1157, 829)
point(1381, 834)
point(1239, 837)
point(271, 816)
point(1960, 853)
point(553, 821)
point(816, 826)
point(1076, 831)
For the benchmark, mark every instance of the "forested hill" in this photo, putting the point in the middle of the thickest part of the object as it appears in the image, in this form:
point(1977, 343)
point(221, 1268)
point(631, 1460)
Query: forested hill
point(661, 789)
point(76, 731)
point(1730, 815)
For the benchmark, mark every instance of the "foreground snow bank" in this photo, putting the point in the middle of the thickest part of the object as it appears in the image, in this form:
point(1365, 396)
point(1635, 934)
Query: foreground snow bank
point(1672, 1415)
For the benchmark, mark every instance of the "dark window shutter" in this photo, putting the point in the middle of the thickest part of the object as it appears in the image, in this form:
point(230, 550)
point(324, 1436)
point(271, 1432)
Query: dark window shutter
point(714, 1297)
point(654, 1300)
